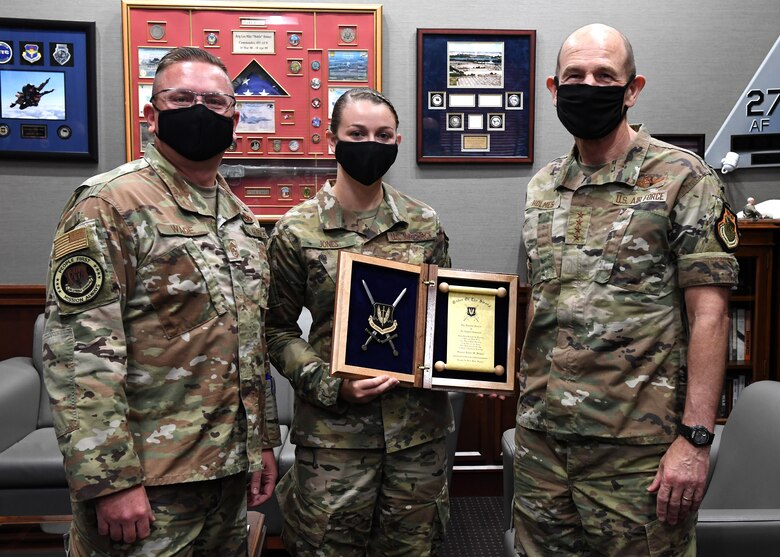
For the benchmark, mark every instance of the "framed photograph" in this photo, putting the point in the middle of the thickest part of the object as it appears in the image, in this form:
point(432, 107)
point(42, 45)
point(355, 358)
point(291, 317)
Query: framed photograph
point(348, 65)
point(288, 62)
point(333, 95)
point(475, 64)
point(256, 117)
point(693, 142)
point(148, 58)
point(489, 74)
point(47, 89)
point(428, 327)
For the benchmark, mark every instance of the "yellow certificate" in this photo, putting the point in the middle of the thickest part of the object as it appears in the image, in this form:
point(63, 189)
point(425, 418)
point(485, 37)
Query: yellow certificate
point(471, 317)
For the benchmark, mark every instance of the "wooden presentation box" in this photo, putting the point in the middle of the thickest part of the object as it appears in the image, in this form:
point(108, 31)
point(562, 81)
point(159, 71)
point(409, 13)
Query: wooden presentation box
point(428, 327)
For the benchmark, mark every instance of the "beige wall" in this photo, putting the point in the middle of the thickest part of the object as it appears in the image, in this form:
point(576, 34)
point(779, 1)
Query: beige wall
point(697, 57)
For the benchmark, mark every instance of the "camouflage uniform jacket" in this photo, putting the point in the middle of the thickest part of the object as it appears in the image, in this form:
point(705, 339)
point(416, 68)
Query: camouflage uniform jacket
point(154, 349)
point(609, 256)
point(303, 253)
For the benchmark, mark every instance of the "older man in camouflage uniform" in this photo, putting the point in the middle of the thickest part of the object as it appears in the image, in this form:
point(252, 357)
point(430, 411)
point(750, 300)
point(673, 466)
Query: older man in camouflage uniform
point(629, 245)
point(154, 349)
point(345, 451)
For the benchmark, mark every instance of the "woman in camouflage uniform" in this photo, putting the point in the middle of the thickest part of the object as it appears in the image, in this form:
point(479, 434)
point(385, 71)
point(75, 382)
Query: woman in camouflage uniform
point(370, 468)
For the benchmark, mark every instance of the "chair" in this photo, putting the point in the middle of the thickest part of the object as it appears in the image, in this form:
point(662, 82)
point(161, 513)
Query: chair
point(32, 477)
point(740, 513)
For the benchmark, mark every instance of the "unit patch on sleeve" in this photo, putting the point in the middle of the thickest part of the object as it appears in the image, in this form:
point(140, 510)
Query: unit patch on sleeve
point(726, 230)
point(78, 280)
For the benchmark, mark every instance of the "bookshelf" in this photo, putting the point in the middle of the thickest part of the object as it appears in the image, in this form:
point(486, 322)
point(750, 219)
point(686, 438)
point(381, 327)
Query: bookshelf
point(753, 339)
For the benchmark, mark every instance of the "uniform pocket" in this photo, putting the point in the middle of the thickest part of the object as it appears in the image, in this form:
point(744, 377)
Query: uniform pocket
point(303, 518)
point(664, 540)
point(58, 348)
point(443, 514)
point(640, 258)
point(537, 237)
point(181, 289)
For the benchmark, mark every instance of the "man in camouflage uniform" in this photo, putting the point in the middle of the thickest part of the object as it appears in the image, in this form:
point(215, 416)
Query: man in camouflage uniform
point(629, 245)
point(154, 350)
point(385, 457)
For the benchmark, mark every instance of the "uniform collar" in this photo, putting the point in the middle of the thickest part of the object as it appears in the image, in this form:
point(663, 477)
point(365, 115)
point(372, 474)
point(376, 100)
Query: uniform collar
point(184, 195)
point(331, 212)
point(624, 170)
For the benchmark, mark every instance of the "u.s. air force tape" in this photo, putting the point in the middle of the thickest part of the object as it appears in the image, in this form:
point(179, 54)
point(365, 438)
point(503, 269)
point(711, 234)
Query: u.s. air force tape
point(78, 280)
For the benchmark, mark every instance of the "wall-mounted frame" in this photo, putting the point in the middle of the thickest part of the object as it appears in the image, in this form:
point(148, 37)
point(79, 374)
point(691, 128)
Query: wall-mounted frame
point(488, 74)
point(693, 142)
point(47, 89)
point(289, 62)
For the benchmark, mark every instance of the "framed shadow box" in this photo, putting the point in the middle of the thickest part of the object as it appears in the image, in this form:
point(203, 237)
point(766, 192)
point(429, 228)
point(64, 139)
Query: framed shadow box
point(475, 95)
point(428, 327)
point(47, 89)
point(289, 62)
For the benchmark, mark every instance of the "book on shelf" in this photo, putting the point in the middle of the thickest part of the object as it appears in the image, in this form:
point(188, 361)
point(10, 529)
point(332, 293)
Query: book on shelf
point(748, 333)
point(732, 388)
point(740, 335)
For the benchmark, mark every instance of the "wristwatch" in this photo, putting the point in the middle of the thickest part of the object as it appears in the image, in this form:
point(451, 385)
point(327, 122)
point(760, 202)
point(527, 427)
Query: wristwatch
point(697, 435)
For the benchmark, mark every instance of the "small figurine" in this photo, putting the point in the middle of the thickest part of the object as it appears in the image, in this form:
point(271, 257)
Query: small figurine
point(750, 210)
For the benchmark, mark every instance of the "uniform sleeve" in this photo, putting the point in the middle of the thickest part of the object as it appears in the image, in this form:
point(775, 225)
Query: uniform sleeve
point(295, 358)
point(441, 249)
point(84, 349)
point(704, 235)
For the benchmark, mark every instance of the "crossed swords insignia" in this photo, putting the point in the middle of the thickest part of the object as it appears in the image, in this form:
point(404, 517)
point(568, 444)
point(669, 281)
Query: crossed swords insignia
point(381, 323)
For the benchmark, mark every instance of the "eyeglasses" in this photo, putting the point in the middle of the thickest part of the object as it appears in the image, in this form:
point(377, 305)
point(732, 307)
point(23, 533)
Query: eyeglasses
point(184, 98)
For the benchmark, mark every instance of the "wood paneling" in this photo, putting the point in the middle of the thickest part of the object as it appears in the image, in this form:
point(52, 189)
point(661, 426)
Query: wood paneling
point(478, 455)
point(20, 304)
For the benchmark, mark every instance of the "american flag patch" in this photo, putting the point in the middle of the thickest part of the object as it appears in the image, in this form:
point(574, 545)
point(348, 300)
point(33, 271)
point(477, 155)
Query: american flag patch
point(70, 241)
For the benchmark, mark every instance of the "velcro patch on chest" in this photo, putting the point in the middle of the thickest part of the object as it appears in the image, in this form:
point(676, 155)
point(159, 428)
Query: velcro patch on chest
point(638, 198)
point(410, 236)
point(545, 204)
point(578, 225)
point(182, 229)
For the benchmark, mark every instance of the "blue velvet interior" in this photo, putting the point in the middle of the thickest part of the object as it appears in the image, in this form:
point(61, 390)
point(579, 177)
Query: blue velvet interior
point(385, 285)
point(501, 326)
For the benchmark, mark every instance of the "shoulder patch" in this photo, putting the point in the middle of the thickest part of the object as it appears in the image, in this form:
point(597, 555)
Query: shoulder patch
point(78, 280)
point(68, 242)
point(726, 230)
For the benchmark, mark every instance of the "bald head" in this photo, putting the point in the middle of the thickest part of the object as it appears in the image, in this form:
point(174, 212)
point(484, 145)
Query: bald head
point(597, 39)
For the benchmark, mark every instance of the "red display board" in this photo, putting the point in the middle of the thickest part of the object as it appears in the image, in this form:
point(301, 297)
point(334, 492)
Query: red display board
point(288, 62)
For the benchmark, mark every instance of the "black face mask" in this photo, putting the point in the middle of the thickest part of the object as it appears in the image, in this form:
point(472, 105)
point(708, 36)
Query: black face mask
point(195, 132)
point(589, 111)
point(366, 161)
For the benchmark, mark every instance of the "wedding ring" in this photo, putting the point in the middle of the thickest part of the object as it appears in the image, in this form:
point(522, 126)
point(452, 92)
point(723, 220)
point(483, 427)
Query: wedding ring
point(685, 498)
